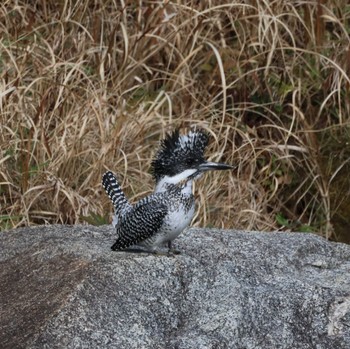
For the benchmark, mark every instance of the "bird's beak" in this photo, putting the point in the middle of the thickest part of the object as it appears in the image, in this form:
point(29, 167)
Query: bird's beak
point(207, 166)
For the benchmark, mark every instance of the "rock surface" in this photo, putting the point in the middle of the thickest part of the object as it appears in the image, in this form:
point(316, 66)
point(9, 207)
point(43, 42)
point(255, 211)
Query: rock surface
point(62, 287)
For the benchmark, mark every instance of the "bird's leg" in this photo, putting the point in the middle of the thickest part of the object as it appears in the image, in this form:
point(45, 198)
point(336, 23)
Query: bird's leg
point(134, 250)
point(169, 253)
point(140, 250)
point(172, 251)
point(162, 252)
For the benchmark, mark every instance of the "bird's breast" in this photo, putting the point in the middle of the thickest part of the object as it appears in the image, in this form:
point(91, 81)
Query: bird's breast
point(178, 218)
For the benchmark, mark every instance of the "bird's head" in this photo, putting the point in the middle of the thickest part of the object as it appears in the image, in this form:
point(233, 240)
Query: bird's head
point(181, 158)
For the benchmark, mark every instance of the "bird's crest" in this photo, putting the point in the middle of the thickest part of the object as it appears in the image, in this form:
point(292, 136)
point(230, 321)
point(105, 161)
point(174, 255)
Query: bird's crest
point(178, 152)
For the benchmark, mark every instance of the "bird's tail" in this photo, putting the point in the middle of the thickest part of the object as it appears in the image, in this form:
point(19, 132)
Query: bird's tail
point(115, 193)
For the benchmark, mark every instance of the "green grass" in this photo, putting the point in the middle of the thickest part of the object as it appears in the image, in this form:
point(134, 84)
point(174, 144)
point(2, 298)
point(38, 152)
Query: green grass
point(88, 86)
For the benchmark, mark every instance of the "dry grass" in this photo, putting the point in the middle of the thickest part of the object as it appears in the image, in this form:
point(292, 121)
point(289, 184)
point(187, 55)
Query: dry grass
point(90, 85)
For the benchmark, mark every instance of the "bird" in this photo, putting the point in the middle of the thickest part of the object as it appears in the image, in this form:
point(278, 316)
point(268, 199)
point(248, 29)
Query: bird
point(157, 219)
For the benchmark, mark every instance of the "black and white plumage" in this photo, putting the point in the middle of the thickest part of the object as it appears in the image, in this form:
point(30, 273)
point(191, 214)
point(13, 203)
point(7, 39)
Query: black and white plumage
point(117, 196)
point(160, 217)
point(179, 153)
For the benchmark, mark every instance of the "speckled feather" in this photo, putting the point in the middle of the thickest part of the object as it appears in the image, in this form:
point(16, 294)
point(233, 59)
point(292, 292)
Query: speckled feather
point(178, 152)
point(150, 223)
point(115, 193)
point(163, 215)
point(155, 219)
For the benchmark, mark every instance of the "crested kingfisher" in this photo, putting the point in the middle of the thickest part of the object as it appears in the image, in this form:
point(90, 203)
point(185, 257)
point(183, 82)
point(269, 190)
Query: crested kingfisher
point(159, 218)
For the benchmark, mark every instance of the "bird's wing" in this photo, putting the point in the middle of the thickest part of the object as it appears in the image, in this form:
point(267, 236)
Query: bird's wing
point(141, 223)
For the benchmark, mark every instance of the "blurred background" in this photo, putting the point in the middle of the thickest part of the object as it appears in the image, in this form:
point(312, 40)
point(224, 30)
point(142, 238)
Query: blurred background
point(91, 85)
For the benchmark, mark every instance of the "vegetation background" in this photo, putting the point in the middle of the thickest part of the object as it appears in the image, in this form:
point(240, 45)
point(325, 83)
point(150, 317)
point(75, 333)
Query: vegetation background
point(90, 85)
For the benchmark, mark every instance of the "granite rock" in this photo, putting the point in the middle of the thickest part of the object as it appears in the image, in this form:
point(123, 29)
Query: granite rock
point(62, 287)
